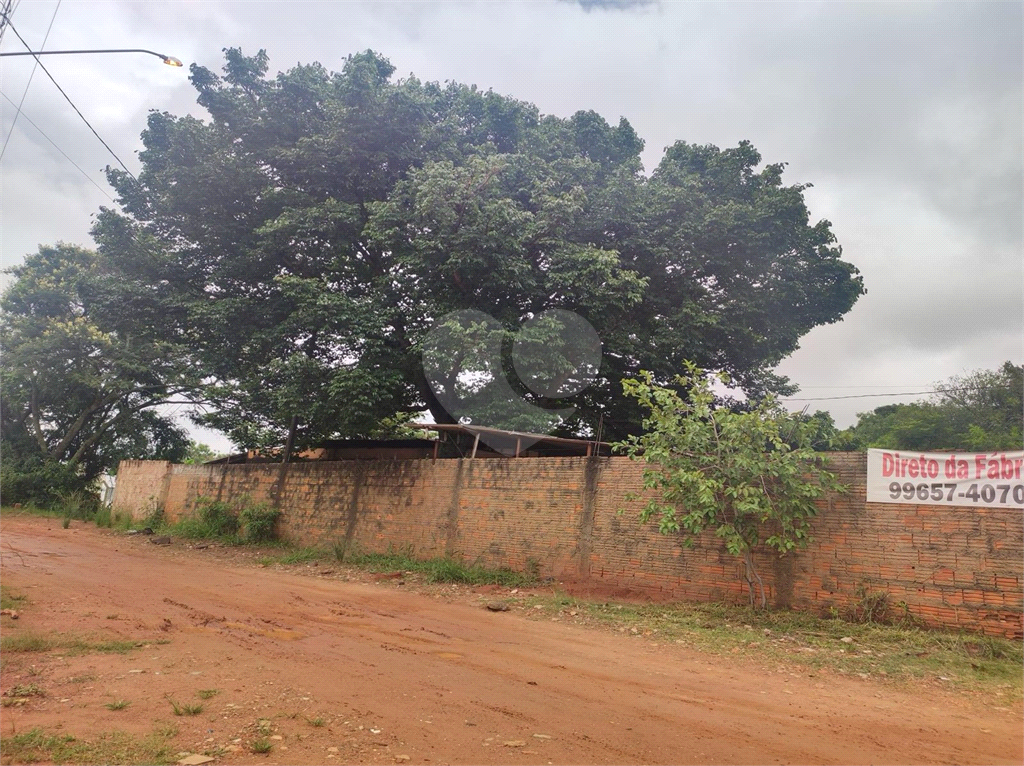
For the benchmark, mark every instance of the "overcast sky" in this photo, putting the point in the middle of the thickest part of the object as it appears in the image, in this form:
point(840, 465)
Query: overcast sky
point(905, 116)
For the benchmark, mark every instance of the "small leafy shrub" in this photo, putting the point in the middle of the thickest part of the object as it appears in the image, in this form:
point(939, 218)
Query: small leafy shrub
point(155, 518)
point(872, 606)
point(220, 518)
point(750, 477)
point(32, 479)
point(78, 504)
point(210, 518)
point(340, 549)
point(259, 523)
point(122, 521)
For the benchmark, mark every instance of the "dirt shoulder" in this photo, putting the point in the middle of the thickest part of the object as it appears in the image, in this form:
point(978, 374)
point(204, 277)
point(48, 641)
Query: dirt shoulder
point(339, 668)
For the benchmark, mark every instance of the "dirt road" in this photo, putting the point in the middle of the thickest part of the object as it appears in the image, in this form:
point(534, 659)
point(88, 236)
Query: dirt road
point(403, 677)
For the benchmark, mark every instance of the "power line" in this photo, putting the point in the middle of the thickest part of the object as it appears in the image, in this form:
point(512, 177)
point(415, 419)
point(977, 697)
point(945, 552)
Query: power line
point(68, 98)
point(853, 396)
point(895, 393)
point(29, 83)
point(87, 176)
point(6, 10)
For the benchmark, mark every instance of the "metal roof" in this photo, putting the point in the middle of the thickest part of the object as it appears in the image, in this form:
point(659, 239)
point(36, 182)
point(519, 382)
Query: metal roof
point(513, 442)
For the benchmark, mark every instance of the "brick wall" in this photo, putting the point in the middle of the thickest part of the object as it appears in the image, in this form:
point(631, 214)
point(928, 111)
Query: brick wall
point(950, 566)
point(141, 486)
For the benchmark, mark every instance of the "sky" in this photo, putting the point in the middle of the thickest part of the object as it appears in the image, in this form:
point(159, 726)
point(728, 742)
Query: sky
point(905, 117)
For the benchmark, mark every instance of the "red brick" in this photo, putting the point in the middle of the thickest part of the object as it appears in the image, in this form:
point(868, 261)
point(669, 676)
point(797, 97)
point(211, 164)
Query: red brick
point(513, 511)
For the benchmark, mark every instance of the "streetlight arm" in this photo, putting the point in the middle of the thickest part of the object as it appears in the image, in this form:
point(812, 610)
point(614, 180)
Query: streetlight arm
point(169, 60)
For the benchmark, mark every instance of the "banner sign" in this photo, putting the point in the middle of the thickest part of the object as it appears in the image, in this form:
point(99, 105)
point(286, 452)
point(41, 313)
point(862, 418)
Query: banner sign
point(979, 479)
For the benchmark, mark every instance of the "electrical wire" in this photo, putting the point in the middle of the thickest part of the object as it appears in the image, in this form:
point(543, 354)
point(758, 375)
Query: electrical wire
point(900, 393)
point(852, 396)
point(88, 177)
point(68, 98)
point(29, 83)
point(6, 11)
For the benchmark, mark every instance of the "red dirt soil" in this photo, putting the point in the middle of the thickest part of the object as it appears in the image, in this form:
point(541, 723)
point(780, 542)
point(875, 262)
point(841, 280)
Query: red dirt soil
point(405, 677)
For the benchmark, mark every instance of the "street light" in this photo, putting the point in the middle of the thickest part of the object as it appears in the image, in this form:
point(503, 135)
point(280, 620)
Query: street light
point(169, 60)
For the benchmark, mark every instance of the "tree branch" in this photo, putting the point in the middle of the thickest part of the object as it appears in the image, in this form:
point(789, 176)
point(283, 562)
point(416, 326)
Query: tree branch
point(37, 426)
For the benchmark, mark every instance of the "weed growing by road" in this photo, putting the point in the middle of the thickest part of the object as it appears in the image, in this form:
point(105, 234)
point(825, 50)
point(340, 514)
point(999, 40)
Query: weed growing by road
point(437, 570)
point(119, 705)
point(26, 642)
point(209, 519)
point(205, 694)
point(26, 690)
point(184, 709)
point(37, 745)
point(261, 745)
point(10, 600)
point(34, 642)
point(259, 523)
point(317, 722)
point(825, 645)
point(301, 556)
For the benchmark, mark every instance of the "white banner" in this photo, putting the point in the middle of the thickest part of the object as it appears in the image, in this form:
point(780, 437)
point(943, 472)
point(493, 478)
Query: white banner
point(980, 479)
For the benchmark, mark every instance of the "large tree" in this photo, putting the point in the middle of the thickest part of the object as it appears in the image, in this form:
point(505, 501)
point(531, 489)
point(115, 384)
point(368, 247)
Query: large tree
point(309, 235)
point(83, 371)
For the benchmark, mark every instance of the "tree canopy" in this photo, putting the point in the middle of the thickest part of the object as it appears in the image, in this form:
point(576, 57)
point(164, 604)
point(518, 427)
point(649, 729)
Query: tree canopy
point(305, 239)
point(981, 410)
point(81, 375)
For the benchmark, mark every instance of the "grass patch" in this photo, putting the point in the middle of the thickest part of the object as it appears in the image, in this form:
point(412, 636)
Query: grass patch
point(897, 652)
point(25, 690)
point(211, 519)
point(186, 709)
point(167, 731)
point(31, 509)
point(317, 722)
point(106, 517)
point(109, 647)
point(437, 570)
point(241, 524)
point(10, 600)
point(35, 642)
point(27, 642)
point(261, 745)
point(205, 694)
point(36, 745)
point(77, 506)
point(119, 705)
point(300, 556)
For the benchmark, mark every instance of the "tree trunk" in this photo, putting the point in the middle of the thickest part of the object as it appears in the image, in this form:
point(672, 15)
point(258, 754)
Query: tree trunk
point(752, 576)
